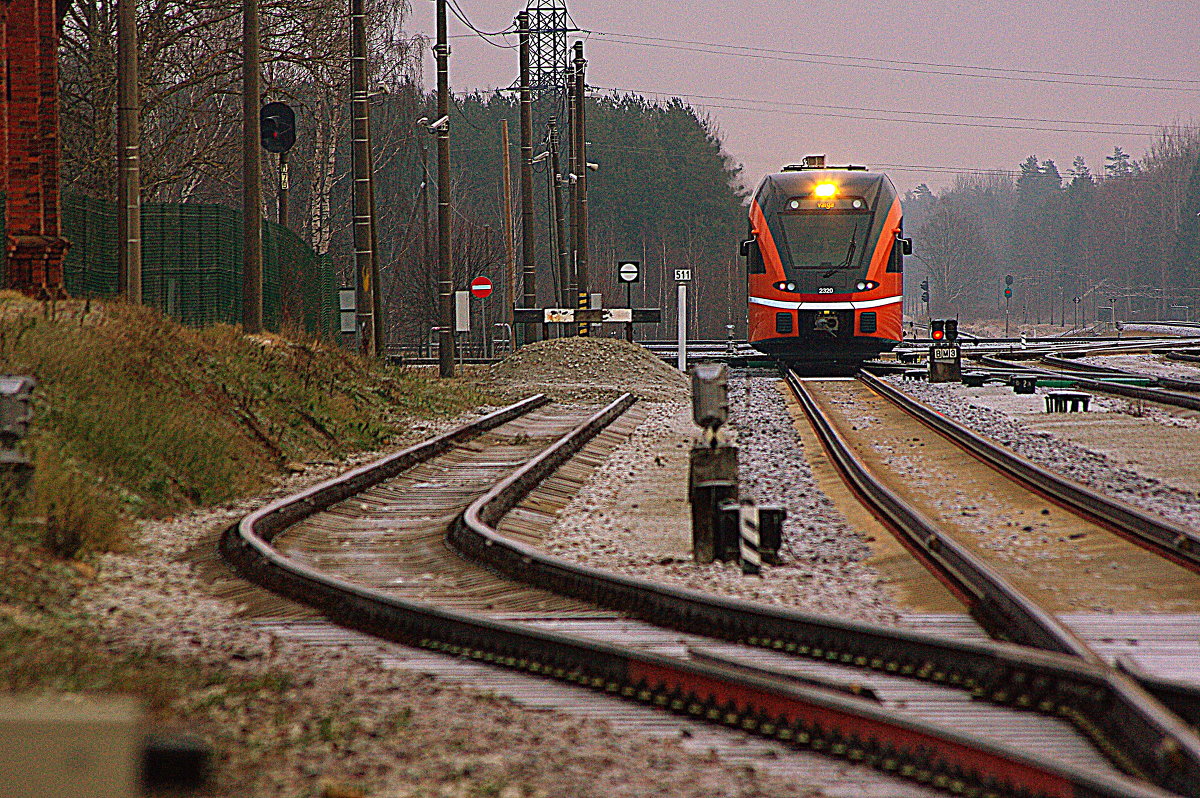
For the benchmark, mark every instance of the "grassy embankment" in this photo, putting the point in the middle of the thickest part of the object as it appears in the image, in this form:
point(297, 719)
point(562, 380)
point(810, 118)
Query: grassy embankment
point(137, 416)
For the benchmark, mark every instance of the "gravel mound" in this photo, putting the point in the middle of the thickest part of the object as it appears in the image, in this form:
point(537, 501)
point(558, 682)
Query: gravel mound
point(581, 368)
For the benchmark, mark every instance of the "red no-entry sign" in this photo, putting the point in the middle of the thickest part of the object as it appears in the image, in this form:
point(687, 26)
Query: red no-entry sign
point(481, 287)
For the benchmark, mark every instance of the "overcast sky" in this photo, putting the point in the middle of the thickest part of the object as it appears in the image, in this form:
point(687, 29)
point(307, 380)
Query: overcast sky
point(777, 105)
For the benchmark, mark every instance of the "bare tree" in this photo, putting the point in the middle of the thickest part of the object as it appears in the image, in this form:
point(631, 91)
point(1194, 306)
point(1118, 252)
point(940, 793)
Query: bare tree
point(953, 246)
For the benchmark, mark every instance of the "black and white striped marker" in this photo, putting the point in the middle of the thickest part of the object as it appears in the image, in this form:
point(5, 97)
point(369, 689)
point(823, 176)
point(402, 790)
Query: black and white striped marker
point(748, 529)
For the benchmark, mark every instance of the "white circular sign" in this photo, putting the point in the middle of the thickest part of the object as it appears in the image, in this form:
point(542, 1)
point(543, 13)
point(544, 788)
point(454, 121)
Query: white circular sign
point(629, 271)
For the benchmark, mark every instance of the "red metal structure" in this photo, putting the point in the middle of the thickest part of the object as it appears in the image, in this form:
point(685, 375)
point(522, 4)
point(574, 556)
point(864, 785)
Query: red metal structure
point(824, 265)
point(29, 159)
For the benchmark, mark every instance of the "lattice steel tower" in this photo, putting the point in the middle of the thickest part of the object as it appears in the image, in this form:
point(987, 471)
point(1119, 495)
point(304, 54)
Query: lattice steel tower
point(548, 53)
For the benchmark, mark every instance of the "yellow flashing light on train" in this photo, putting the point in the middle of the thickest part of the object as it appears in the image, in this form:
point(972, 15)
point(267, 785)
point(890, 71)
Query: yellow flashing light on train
point(825, 190)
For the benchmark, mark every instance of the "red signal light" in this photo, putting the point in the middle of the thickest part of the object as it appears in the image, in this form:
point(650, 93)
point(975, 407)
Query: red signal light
point(938, 335)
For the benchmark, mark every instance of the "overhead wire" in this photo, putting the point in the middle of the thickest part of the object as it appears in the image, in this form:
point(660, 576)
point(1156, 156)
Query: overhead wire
point(884, 110)
point(937, 122)
point(928, 68)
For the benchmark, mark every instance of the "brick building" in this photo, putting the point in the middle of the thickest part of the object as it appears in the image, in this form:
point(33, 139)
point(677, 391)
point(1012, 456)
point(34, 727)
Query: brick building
point(33, 245)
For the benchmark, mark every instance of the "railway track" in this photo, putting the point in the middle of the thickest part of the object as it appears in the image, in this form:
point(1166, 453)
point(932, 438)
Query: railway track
point(1002, 609)
point(765, 700)
point(1060, 361)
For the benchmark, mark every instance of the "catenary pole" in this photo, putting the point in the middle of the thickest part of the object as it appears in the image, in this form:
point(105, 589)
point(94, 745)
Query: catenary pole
point(360, 154)
point(560, 228)
point(510, 264)
point(379, 323)
point(252, 287)
point(445, 265)
point(573, 296)
point(581, 187)
point(528, 264)
point(129, 217)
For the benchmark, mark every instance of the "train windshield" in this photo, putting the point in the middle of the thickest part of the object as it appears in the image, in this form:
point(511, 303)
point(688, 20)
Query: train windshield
point(831, 242)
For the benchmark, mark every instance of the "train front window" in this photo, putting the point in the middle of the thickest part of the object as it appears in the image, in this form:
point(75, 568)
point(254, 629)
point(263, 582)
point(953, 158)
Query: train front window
point(828, 242)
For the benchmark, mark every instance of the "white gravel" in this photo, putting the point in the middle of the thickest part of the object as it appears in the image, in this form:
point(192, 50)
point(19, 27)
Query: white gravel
point(1064, 456)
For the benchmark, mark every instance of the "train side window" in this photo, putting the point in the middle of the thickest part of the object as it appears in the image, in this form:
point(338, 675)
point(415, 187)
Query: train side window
point(754, 259)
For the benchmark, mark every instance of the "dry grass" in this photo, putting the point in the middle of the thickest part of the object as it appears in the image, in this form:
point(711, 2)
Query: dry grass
point(138, 416)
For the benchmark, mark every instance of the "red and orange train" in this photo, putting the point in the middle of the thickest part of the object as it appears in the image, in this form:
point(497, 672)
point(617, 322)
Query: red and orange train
point(825, 265)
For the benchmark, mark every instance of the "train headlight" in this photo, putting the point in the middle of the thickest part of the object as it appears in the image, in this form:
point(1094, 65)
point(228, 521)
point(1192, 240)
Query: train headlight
point(794, 204)
point(825, 190)
point(791, 286)
point(865, 285)
point(857, 203)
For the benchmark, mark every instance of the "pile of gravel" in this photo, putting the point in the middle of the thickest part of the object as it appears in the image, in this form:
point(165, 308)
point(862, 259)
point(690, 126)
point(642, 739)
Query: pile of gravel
point(580, 368)
point(1060, 455)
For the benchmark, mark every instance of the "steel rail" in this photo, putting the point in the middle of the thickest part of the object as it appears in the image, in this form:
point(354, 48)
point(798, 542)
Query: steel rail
point(1159, 535)
point(1132, 391)
point(1178, 543)
point(807, 716)
point(1119, 716)
point(1187, 356)
point(1067, 360)
point(1006, 612)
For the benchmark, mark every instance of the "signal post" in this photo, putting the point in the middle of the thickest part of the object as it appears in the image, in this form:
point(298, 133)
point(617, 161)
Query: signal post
point(945, 355)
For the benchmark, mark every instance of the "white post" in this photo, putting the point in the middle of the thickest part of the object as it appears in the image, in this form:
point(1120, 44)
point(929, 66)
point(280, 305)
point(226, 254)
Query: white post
point(682, 326)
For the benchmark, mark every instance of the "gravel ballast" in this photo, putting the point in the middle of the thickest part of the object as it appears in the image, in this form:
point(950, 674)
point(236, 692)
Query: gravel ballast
point(1064, 456)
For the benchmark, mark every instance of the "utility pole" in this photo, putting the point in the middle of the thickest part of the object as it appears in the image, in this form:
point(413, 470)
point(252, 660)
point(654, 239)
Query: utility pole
point(380, 323)
point(581, 198)
point(129, 217)
point(445, 265)
point(360, 152)
point(560, 227)
point(510, 267)
point(426, 260)
point(252, 286)
point(572, 291)
point(528, 265)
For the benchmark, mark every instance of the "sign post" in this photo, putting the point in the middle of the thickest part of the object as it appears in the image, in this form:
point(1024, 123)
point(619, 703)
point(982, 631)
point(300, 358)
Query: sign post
point(629, 272)
point(683, 277)
point(1008, 281)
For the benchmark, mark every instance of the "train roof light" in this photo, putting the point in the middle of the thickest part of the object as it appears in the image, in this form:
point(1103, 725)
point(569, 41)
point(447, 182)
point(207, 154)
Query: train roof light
point(825, 190)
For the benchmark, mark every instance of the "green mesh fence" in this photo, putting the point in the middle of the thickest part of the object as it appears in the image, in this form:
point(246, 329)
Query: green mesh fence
point(192, 264)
